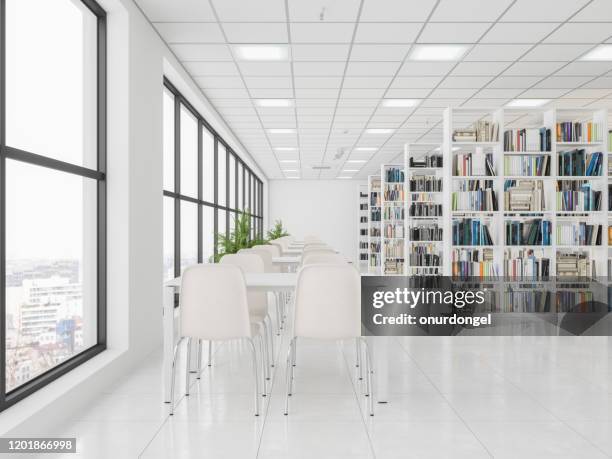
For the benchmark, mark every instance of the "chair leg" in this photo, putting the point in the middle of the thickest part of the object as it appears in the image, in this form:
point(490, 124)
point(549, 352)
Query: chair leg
point(289, 375)
point(173, 377)
point(255, 375)
point(265, 358)
point(293, 356)
point(270, 337)
point(279, 319)
point(358, 358)
point(294, 351)
point(187, 366)
point(210, 353)
point(263, 364)
point(199, 372)
point(369, 371)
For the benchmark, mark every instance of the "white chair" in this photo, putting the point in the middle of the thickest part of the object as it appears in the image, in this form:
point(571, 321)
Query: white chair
point(317, 249)
point(281, 297)
point(269, 267)
point(328, 307)
point(257, 301)
point(320, 258)
point(311, 238)
point(214, 307)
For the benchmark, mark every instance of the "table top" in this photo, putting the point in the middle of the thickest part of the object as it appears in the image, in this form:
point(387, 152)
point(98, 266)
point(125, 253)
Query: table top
point(290, 260)
point(265, 281)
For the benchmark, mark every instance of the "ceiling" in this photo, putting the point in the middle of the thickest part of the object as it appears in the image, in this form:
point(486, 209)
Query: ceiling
point(347, 56)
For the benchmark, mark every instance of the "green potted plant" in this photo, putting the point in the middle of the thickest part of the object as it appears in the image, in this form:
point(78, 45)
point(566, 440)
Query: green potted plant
point(277, 231)
point(239, 238)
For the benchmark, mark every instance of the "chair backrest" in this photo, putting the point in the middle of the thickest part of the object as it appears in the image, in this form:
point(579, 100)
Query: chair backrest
point(264, 254)
point(214, 303)
point(281, 247)
point(274, 250)
point(328, 302)
point(316, 258)
point(318, 248)
point(250, 263)
point(311, 238)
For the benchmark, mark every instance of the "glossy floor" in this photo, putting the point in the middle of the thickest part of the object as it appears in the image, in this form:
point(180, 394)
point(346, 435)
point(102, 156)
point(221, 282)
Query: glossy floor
point(499, 397)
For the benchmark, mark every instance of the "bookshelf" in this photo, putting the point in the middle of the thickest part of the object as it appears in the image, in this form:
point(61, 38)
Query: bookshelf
point(392, 224)
point(374, 224)
point(362, 225)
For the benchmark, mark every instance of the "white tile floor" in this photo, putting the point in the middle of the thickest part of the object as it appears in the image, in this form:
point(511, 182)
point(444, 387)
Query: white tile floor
point(499, 397)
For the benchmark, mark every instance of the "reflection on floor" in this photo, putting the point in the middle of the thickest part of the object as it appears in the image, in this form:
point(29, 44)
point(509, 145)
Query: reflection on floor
point(499, 397)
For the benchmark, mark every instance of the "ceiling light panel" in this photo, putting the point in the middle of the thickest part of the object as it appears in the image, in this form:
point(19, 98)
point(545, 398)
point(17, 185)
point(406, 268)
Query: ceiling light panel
point(261, 52)
point(437, 52)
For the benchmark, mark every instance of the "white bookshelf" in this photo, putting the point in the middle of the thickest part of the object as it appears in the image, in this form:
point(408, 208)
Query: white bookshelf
point(393, 219)
point(362, 225)
point(374, 225)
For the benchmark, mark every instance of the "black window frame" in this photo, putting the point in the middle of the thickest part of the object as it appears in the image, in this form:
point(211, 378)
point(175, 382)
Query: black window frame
point(230, 208)
point(98, 174)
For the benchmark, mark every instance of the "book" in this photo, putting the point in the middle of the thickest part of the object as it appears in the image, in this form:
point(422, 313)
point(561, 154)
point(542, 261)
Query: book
point(470, 231)
point(578, 233)
point(527, 165)
point(579, 131)
point(528, 232)
point(473, 263)
point(527, 140)
point(426, 161)
point(577, 195)
point(578, 162)
point(524, 195)
point(526, 264)
point(476, 195)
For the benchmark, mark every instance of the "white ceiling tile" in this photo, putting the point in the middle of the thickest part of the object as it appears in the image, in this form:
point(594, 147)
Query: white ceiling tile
point(362, 93)
point(186, 10)
point(211, 68)
point(503, 52)
point(555, 52)
point(314, 52)
point(261, 32)
point(479, 68)
point(524, 32)
point(335, 11)
point(271, 93)
point(600, 83)
point(227, 104)
point(366, 82)
point(315, 111)
point(268, 82)
point(387, 32)
point(317, 82)
point(464, 82)
point(219, 82)
point(497, 93)
point(580, 33)
point(482, 102)
point(378, 52)
point(407, 93)
point(469, 10)
point(241, 11)
point(265, 68)
point(234, 93)
point(314, 103)
point(563, 82)
point(318, 68)
point(396, 10)
point(412, 68)
point(190, 32)
point(533, 68)
point(598, 10)
point(585, 68)
point(448, 93)
point(514, 81)
point(200, 52)
point(589, 93)
point(364, 103)
point(543, 93)
point(372, 68)
point(458, 32)
point(321, 32)
point(415, 82)
point(317, 93)
point(542, 10)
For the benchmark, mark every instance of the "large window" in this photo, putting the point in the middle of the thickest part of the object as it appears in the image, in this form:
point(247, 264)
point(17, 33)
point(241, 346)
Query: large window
point(52, 190)
point(205, 185)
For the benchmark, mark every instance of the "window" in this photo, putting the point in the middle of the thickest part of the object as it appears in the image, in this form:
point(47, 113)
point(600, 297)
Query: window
point(52, 192)
point(204, 185)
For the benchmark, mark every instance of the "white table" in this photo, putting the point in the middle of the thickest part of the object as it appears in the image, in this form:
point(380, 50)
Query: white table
point(266, 282)
point(286, 260)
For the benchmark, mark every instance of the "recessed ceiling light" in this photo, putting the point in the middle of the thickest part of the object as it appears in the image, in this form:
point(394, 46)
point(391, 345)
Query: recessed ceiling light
point(288, 160)
point(356, 161)
point(285, 148)
point(366, 149)
point(526, 103)
point(274, 102)
point(350, 170)
point(379, 131)
point(292, 177)
point(437, 52)
point(600, 53)
point(281, 131)
point(345, 178)
point(289, 170)
point(261, 52)
point(400, 102)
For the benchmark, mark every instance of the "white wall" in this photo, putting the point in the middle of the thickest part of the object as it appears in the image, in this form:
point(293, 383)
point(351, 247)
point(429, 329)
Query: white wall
point(326, 208)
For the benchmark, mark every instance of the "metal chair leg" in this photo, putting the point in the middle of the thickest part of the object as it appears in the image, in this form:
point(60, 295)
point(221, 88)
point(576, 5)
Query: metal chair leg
point(255, 375)
point(210, 353)
point(270, 337)
point(358, 358)
point(199, 372)
point(187, 365)
point(289, 375)
point(293, 356)
point(369, 371)
point(173, 377)
point(263, 364)
point(294, 351)
point(266, 351)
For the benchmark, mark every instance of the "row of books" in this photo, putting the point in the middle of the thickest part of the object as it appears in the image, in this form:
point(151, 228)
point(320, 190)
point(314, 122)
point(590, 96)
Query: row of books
point(394, 248)
point(526, 264)
point(585, 131)
point(524, 195)
point(576, 301)
point(363, 206)
point(426, 161)
point(527, 139)
point(577, 195)
point(477, 163)
point(573, 264)
point(375, 215)
point(531, 232)
point(528, 165)
point(526, 301)
point(375, 199)
point(393, 231)
point(481, 131)
point(423, 197)
point(579, 233)
point(374, 258)
point(423, 209)
point(470, 231)
point(476, 195)
point(394, 193)
point(394, 267)
point(374, 231)
point(579, 162)
point(610, 196)
point(473, 263)
point(394, 213)
point(394, 175)
point(425, 233)
point(425, 183)
point(424, 256)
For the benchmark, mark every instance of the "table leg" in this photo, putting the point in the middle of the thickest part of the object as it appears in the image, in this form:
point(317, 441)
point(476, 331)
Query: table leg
point(168, 344)
point(380, 352)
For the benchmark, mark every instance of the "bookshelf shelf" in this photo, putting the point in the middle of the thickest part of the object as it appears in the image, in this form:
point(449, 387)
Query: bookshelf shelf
point(393, 218)
point(363, 242)
point(374, 224)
